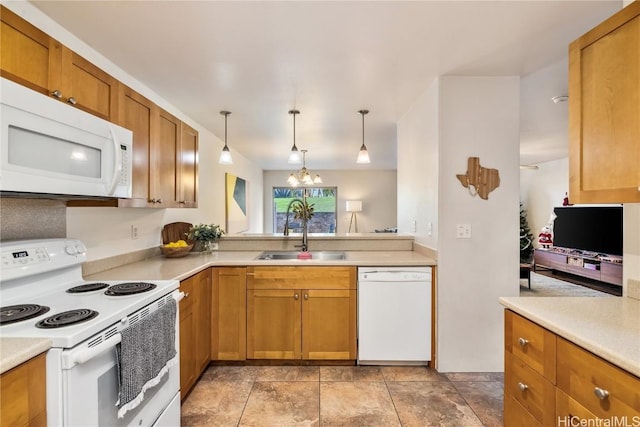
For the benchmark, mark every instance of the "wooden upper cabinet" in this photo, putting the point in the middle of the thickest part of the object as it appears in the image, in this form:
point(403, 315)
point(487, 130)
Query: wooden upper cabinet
point(29, 56)
point(604, 111)
point(188, 167)
point(88, 87)
point(136, 114)
point(33, 59)
point(165, 145)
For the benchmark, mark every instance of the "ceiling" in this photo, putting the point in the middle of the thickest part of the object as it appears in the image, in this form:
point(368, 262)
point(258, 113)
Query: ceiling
point(330, 59)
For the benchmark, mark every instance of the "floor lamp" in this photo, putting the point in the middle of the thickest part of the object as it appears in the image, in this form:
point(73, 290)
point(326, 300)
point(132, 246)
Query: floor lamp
point(354, 206)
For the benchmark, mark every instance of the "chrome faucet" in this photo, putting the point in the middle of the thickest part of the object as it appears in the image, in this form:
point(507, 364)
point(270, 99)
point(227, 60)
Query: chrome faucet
point(305, 245)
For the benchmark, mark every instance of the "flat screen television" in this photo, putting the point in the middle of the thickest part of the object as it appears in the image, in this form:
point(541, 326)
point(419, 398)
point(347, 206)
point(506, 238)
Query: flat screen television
point(589, 228)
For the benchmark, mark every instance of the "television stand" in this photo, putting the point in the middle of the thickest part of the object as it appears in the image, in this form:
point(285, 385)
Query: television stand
point(599, 267)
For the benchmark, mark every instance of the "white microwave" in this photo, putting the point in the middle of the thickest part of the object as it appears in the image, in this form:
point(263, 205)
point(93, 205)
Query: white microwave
point(48, 147)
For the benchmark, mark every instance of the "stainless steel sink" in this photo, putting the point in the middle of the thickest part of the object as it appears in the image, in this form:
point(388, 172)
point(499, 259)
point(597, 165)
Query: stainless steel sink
point(317, 255)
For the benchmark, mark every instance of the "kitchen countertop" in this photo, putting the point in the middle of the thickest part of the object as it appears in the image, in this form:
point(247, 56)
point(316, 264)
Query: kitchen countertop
point(608, 327)
point(160, 268)
point(14, 351)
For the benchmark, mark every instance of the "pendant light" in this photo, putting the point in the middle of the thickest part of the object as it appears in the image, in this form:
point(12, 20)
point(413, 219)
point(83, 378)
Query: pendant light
point(363, 155)
point(294, 154)
point(225, 155)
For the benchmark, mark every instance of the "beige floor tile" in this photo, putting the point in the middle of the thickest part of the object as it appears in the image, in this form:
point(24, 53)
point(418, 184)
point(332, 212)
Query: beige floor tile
point(287, 373)
point(282, 403)
point(431, 403)
point(215, 403)
point(411, 373)
point(475, 376)
point(230, 373)
point(356, 404)
point(486, 400)
point(351, 373)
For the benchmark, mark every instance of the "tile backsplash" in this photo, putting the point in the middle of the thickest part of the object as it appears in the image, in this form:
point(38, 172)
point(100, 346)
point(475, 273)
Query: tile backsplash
point(32, 218)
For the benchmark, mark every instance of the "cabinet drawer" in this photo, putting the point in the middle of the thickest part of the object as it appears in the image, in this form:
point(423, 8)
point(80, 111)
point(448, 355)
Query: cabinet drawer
point(516, 415)
point(569, 412)
point(530, 389)
point(532, 344)
point(583, 375)
point(187, 286)
point(279, 277)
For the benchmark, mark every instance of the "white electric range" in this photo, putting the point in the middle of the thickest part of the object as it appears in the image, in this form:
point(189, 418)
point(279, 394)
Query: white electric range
point(43, 295)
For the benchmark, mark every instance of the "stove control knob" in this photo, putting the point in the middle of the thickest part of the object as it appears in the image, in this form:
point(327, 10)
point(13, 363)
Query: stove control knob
point(71, 250)
point(81, 248)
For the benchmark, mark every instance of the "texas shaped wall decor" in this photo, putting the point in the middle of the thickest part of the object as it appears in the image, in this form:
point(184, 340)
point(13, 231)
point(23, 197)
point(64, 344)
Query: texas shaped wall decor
point(479, 180)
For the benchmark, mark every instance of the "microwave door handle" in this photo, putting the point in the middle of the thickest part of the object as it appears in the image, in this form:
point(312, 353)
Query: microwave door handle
point(117, 166)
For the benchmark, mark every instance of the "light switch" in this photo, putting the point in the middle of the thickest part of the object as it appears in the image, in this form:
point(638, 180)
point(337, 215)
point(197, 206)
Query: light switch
point(463, 231)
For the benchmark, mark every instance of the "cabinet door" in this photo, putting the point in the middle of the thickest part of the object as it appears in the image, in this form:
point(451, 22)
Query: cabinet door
point(229, 314)
point(188, 167)
point(23, 394)
point(273, 324)
point(328, 324)
point(187, 338)
point(88, 87)
point(604, 111)
point(135, 114)
point(29, 56)
point(202, 303)
point(164, 152)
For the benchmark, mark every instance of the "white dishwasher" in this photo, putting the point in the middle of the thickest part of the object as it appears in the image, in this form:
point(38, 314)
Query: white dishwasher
point(394, 315)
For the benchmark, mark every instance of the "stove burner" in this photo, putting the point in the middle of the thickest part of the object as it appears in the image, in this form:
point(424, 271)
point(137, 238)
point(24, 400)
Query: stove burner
point(16, 313)
point(67, 318)
point(129, 288)
point(87, 288)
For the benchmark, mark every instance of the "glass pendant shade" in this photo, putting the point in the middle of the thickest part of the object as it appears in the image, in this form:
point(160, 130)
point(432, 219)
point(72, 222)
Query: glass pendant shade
point(225, 154)
point(294, 154)
point(363, 155)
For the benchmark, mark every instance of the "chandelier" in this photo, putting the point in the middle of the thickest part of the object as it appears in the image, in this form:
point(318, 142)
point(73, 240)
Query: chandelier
point(303, 176)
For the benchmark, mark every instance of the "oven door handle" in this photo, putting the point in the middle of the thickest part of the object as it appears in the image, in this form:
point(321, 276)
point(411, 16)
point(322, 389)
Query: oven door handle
point(85, 356)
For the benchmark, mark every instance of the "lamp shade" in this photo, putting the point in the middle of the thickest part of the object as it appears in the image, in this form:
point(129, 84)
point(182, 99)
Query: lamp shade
point(354, 206)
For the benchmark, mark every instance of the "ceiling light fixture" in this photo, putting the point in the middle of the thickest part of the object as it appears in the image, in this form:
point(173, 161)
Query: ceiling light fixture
point(225, 155)
point(303, 176)
point(294, 154)
point(363, 155)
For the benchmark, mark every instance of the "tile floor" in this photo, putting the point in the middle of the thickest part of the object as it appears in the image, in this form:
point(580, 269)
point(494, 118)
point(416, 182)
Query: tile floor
point(343, 396)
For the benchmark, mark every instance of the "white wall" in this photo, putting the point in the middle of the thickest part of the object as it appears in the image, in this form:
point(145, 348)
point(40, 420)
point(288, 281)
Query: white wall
point(541, 190)
point(375, 188)
point(107, 231)
point(457, 118)
point(418, 139)
point(631, 248)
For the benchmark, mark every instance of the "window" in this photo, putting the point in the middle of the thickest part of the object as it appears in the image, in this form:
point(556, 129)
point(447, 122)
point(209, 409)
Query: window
point(324, 204)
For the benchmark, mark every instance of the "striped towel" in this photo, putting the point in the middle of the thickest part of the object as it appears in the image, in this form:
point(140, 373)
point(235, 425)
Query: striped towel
point(144, 355)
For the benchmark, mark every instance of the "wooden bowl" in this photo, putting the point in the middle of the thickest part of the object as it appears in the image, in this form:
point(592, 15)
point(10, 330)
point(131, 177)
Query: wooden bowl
point(175, 252)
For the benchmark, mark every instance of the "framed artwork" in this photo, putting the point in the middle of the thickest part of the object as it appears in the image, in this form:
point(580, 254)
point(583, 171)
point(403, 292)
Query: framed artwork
point(236, 204)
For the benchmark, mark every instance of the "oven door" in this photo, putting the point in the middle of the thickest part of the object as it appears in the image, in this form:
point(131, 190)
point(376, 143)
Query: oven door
point(90, 393)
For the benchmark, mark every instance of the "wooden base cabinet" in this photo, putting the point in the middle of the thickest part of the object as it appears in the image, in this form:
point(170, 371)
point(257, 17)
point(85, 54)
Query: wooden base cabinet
point(229, 314)
point(301, 313)
point(549, 381)
point(23, 391)
point(195, 329)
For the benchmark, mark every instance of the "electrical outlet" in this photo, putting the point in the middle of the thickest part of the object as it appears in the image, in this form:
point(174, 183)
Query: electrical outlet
point(463, 231)
point(134, 232)
point(430, 229)
point(413, 226)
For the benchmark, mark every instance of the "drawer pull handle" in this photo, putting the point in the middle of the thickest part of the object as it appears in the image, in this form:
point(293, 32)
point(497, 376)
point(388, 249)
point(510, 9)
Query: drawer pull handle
point(296, 296)
point(600, 393)
point(522, 386)
point(522, 342)
point(56, 93)
point(71, 100)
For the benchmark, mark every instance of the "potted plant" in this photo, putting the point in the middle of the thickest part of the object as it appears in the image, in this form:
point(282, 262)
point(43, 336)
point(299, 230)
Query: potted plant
point(204, 235)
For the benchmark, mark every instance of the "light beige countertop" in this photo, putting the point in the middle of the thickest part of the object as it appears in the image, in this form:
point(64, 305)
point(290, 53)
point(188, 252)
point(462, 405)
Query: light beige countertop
point(14, 351)
point(160, 268)
point(608, 327)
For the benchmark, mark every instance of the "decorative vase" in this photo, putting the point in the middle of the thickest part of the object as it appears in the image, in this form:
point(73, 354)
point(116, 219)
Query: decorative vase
point(204, 246)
